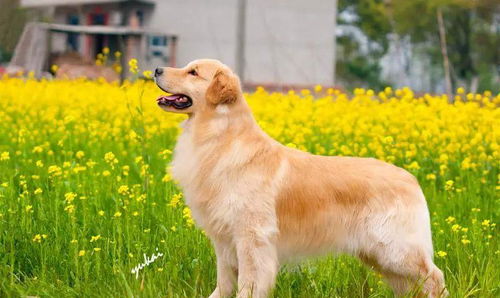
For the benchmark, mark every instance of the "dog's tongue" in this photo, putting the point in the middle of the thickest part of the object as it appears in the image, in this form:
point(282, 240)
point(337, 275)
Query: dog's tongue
point(172, 97)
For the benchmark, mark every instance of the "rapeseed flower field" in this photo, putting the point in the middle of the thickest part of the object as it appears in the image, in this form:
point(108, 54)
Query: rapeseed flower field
point(86, 193)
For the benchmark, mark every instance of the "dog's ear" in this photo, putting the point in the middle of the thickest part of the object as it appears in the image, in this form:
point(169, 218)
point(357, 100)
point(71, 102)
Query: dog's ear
point(224, 88)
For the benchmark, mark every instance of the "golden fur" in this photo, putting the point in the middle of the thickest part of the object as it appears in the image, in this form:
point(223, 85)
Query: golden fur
point(262, 203)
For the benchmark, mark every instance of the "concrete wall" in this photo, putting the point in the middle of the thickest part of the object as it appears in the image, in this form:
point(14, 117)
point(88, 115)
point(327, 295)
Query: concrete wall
point(206, 29)
point(288, 41)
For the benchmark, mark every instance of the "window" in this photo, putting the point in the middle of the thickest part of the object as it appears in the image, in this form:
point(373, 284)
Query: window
point(158, 46)
point(140, 17)
point(158, 41)
point(72, 39)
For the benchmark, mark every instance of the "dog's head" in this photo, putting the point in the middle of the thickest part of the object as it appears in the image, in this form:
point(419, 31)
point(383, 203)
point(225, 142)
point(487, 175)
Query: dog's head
point(202, 84)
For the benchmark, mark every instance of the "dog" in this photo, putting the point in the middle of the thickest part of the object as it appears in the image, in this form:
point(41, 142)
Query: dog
point(263, 204)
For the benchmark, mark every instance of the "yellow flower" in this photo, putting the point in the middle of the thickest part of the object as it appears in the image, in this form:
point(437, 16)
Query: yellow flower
point(166, 178)
point(147, 74)
point(4, 156)
point(486, 223)
point(38, 191)
point(73, 241)
point(106, 173)
point(186, 214)
point(413, 166)
point(117, 68)
point(175, 200)
point(123, 190)
point(80, 154)
point(441, 254)
point(95, 238)
point(141, 198)
point(450, 219)
point(133, 68)
point(97, 249)
point(54, 171)
point(460, 90)
point(448, 186)
point(110, 158)
point(37, 238)
point(117, 214)
point(81, 253)
point(165, 153)
point(101, 213)
point(69, 197)
point(430, 177)
point(37, 149)
point(54, 68)
point(70, 208)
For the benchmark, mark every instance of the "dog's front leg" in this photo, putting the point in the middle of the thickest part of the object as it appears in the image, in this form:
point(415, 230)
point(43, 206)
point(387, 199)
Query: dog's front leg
point(226, 268)
point(257, 265)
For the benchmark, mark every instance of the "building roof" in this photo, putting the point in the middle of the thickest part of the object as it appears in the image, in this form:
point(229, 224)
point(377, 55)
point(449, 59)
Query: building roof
point(97, 29)
point(42, 3)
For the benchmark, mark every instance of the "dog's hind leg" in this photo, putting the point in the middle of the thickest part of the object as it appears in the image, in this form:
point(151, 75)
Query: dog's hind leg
point(414, 272)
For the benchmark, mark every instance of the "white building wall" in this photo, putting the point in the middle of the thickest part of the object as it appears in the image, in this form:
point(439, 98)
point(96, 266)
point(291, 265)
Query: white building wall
point(205, 29)
point(287, 41)
point(290, 41)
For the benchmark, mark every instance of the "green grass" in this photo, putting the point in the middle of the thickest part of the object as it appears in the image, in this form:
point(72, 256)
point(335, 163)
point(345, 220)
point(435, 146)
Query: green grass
point(52, 267)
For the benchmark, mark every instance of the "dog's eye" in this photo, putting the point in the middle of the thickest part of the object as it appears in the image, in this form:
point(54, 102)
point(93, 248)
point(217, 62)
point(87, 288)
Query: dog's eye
point(193, 72)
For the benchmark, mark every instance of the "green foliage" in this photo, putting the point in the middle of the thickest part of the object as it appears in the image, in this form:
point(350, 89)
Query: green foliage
point(354, 67)
point(82, 196)
point(471, 42)
point(472, 39)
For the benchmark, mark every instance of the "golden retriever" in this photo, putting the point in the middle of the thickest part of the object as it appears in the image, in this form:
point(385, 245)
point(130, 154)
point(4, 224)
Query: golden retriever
point(262, 203)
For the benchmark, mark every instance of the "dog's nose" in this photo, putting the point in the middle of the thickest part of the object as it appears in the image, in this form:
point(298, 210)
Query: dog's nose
point(158, 71)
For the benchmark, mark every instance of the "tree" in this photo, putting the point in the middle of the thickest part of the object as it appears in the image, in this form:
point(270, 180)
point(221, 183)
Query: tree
point(471, 41)
point(357, 66)
point(471, 28)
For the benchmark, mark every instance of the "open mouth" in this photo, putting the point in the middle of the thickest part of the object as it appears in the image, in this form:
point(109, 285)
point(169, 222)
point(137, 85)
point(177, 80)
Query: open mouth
point(178, 101)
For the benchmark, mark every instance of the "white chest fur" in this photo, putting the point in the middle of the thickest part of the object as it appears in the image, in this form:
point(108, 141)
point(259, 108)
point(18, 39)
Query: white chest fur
point(184, 163)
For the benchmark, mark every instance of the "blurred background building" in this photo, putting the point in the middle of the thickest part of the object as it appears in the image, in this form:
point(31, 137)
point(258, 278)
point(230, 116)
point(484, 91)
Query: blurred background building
point(285, 42)
point(428, 45)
